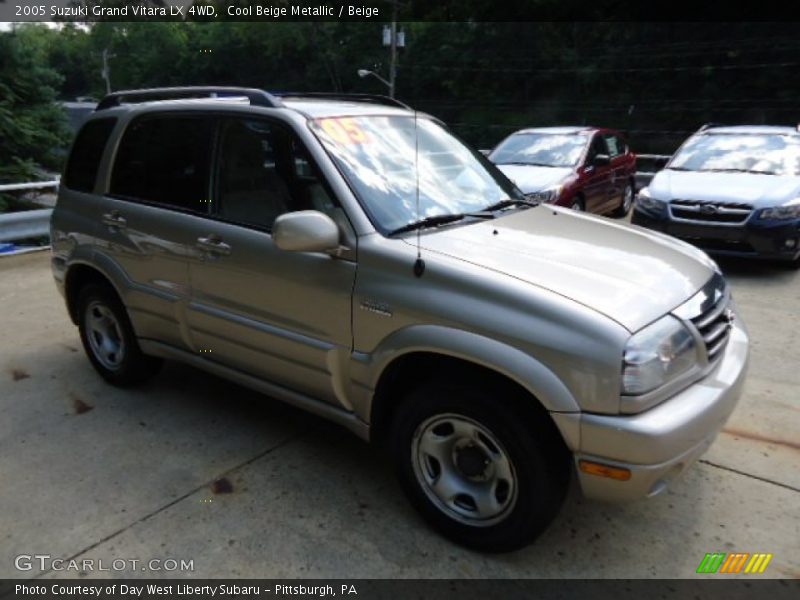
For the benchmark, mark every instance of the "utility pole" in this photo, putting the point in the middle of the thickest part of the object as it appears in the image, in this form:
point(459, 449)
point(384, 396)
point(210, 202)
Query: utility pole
point(106, 72)
point(394, 40)
point(393, 51)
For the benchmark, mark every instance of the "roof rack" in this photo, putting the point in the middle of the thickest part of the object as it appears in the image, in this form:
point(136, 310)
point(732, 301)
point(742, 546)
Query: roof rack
point(373, 98)
point(257, 97)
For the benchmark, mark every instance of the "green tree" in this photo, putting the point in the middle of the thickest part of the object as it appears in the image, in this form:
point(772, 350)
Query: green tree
point(70, 53)
point(141, 54)
point(32, 126)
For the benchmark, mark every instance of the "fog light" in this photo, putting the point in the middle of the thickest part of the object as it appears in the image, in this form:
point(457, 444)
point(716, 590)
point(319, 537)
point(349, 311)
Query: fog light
point(790, 243)
point(601, 470)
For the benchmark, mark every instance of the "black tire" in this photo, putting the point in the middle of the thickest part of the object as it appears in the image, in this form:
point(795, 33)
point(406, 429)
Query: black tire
point(539, 461)
point(578, 204)
point(793, 265)
point(626, 203)
point(127, 365)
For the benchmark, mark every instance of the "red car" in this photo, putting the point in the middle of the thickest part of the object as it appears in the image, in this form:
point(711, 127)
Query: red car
point(584, 168)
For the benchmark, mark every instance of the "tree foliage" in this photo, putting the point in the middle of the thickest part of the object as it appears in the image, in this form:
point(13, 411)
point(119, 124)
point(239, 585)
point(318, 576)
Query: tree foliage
point(657, 80)
point(485, 78)
point(32, 126)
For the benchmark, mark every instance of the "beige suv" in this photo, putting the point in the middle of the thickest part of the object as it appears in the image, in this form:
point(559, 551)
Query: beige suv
point(352, 257)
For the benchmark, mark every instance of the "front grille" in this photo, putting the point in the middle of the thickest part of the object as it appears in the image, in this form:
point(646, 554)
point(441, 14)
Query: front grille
point(714, 326)
point(710, 212)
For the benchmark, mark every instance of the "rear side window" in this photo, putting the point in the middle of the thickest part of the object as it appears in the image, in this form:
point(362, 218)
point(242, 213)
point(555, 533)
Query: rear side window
point(165, 160)
point(611, 142)
point(598, 147)
point(87, 151)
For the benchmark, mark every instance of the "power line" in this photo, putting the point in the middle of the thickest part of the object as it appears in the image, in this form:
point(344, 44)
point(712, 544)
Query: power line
point(665, 104)
point(623, 52)
point(599, 70)
point(694, 110)
point(514, 127)
point(754, 41)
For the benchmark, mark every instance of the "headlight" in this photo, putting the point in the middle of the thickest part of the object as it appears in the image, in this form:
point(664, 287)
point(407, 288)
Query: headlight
point(790, 210)
point(548, 195)
point(657, 354)
point(646, 201)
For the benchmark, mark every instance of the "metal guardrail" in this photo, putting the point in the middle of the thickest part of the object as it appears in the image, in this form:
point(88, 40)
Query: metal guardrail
point(36, 185)
point(25, 224)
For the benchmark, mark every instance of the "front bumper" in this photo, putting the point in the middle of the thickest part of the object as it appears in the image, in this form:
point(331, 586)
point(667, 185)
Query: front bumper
point(754, 238)
point(659, 444)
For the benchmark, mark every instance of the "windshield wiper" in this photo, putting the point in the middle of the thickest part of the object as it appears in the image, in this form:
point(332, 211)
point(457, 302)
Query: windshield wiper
point(429, 222)
point(510, 202)
point(527, 164)
point(436, 220)
point(739, 171)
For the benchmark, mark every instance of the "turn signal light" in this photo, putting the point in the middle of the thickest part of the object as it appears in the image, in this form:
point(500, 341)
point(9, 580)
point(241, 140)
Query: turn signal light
point(601, 470)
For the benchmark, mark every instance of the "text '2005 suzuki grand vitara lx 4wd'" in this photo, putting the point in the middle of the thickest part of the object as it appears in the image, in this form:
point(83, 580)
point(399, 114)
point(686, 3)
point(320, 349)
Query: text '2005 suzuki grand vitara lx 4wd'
point(354, 258)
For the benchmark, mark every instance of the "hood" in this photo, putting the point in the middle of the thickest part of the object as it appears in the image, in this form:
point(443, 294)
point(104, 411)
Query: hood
point(630, 274)
point(529, 178)
point(750, 188)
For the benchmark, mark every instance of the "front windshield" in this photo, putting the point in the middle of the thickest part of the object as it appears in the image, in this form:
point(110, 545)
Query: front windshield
point(544, 149)
point(771, 154)
point(388, 160)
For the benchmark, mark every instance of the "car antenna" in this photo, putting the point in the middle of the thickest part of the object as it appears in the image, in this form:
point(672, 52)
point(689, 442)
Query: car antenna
point(419, 264)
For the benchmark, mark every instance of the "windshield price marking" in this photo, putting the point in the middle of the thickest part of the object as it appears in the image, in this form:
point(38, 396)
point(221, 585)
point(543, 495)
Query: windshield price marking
point(344, 130)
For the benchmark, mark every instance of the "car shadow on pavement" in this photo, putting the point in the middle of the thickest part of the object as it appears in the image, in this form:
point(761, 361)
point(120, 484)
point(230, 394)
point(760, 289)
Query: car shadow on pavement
point(747, 268)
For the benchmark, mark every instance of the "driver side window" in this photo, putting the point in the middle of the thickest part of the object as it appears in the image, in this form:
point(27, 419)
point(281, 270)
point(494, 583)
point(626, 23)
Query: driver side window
point(263, 171)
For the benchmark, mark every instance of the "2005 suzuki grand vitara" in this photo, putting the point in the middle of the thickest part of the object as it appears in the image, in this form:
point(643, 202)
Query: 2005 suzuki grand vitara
point(352, 257)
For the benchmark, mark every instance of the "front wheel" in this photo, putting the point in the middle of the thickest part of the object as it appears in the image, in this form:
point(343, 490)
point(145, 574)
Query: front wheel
point(578, 204)
point(483, 475)
point(627, 201)
point(792, 265)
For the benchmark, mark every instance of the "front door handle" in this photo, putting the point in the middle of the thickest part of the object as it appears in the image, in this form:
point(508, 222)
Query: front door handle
point(114, 219)
point(214, 244)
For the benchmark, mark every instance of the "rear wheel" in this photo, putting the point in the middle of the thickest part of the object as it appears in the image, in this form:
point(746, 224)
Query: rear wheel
point(475, 469)
point(108, 338)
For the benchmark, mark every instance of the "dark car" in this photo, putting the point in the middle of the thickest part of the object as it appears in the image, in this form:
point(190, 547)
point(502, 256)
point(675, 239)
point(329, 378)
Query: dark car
point(730, 191)
point(584, 168)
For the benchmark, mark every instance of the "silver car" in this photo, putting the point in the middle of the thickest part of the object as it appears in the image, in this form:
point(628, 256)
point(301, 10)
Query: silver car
point(352, 257)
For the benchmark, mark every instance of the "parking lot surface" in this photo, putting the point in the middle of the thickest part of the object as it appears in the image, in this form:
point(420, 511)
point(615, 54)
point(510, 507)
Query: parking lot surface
point(91, 472)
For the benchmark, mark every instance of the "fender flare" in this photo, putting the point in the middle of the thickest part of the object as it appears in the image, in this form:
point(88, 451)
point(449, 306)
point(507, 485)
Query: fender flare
point(502, 358)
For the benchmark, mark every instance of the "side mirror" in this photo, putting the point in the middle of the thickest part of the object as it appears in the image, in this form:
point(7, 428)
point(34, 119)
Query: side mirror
point(305, 231)
point(485, 151)
point(601, 160)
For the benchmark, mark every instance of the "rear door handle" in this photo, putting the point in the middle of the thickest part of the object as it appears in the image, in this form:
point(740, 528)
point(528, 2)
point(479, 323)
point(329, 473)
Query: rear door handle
point(214, 244)
point(114, 219)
